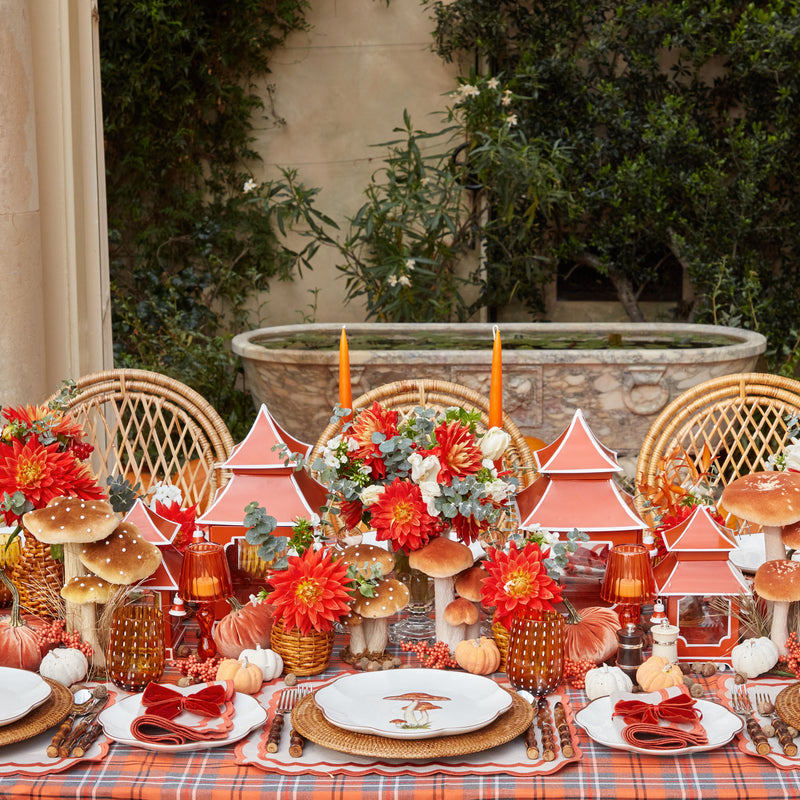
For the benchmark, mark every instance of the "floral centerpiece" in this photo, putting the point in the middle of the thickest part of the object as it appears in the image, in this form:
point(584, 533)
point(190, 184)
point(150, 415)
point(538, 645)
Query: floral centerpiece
point(413, 479)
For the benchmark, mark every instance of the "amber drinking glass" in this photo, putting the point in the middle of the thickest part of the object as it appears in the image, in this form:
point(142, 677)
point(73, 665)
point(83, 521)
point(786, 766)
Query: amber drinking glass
point(135, 652)
point(535, 658)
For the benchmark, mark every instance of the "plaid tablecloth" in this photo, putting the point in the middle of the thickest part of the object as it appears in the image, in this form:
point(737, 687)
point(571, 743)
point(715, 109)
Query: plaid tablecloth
point(130, 772)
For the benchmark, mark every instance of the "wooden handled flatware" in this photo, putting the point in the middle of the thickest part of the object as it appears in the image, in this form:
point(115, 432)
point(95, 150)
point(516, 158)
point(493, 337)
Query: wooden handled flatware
point(83, 699)
point(287, 700)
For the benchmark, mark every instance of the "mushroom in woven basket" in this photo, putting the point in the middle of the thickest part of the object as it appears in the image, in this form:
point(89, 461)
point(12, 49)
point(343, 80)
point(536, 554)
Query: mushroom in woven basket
point(72, 523)
point(778, 581)
point(442, 559)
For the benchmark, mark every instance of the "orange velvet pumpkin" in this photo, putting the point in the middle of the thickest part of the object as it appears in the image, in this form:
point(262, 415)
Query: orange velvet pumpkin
point(244, 628)
point(19, 647)
point(591, 633)
point(478, 656)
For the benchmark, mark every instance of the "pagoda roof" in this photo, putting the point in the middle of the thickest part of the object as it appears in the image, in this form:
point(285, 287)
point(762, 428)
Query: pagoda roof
point(577, 450)
point(589, 505)
point(255, 452)
point(168, 574)
point(156, 529)
point(699, 532)
point(284, 496)
point(678, 577)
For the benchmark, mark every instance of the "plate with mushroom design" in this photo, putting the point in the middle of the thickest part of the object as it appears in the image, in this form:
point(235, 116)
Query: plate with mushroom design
point(412, 703)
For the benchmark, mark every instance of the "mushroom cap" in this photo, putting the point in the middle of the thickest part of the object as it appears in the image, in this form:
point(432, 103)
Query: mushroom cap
point(461, 612)
point(87, 589)
point(441, 558)
point(790, 536)
point(778, 581)
point(766, 498)
point(123, 557)
point(69, 520)
point(468, 583)
point(390, 597)
point(360, 554)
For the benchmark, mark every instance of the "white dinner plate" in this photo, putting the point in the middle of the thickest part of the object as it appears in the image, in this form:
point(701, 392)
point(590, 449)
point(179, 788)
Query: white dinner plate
point(719, 724)
point(412, 703)
point(749, 554)
point(20, 692)
point(117, 719)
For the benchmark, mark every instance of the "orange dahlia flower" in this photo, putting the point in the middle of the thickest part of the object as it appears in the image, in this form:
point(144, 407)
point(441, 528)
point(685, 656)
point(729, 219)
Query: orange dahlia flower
point(312, 592)
point(400, 515)
point(457, 450)
point(518, 582)
point(375, 419)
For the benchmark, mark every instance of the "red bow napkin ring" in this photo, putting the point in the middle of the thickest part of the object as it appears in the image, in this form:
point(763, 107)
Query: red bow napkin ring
point(679, 708)
point(161, 701)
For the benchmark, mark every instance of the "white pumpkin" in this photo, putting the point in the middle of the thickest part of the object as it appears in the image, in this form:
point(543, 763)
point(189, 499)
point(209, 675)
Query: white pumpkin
point(754, 657)
point(65, 665)
point(602, 681)
point(268, 661)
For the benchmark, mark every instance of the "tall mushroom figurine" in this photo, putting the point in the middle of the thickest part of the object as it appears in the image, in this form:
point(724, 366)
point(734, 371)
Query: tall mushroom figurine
point(390, 597)
point(442, 559)
point(779, 582)
point(72, 522)
point(769, 499)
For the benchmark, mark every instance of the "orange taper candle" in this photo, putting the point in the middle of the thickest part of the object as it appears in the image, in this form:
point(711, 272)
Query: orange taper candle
point(496, 390)
point(345, 391)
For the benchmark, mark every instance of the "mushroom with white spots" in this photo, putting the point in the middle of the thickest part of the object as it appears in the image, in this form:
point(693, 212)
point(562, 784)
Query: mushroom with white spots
point(778, 582)
point(390, 597)
point(124, 556)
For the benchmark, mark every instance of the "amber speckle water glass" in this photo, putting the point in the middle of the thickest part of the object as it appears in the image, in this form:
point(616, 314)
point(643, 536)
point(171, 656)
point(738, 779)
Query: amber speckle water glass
point(535, 658)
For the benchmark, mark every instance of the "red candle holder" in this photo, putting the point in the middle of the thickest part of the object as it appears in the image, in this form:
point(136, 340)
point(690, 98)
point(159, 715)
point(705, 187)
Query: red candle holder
point(205, 579)
point(629, 581)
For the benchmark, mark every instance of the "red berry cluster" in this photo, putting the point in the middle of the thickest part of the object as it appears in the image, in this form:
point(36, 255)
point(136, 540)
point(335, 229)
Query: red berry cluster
point(575, 671)
point(82, 450)
point(435, 656)
point(199, 671)
point(792, 657)
point(53, 634)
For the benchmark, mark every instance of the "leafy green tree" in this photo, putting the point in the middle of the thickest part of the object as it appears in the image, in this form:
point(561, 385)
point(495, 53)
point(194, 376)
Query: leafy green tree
point(680, 120)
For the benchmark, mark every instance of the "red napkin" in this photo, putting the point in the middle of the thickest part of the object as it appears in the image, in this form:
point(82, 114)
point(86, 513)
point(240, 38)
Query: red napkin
point(166, 731)
point(161, 701)
point(671, 724)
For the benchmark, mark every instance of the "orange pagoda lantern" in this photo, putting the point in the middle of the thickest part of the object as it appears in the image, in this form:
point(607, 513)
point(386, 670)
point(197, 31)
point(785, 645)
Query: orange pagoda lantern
point(700, 586)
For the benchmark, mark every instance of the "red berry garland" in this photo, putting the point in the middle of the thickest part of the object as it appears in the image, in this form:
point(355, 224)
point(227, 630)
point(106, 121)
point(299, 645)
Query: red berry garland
point(53, 634)
point(792, 657)
point(432, 657)
point(575, 671)
point(197, 670)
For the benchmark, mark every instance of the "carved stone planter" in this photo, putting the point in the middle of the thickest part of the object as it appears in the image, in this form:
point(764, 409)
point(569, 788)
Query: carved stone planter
point(620, 374)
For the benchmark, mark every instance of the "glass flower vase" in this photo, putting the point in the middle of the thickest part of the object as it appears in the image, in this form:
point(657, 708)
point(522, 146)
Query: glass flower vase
point(417, 622)
point(535, 656)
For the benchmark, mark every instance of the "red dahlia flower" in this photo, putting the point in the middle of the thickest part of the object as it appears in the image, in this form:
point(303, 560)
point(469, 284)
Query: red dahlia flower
point(312, 592)
point(518, 581)
point(401, 516)
point(458, 451)
point(376, 419)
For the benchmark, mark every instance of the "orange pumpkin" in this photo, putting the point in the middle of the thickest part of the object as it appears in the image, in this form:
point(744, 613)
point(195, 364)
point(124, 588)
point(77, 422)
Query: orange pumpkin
point(590, 633)
point(658, 673)
point(19, 646)
point(478, 656)
point(244, 628)
point(246, 677)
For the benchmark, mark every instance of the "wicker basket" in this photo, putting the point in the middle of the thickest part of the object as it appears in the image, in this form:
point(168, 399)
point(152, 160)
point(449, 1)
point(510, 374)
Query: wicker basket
point(302, 655)
point(39, 578)
point(501, 639)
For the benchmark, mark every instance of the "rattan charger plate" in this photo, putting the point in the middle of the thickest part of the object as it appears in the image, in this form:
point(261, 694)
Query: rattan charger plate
point(309, 721)
point(53, 711)
point(787, 705)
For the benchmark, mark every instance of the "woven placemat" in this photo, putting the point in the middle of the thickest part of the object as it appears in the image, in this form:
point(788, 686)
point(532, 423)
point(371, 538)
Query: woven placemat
point(49, 713)
point(310, 722)
point(787, 705)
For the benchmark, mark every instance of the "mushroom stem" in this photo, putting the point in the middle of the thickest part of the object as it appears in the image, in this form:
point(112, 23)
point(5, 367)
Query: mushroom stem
point(779, 632)
point(774, 548)
point(376, 634)
point(81, 617)
point(358, 642)
point(444, 594)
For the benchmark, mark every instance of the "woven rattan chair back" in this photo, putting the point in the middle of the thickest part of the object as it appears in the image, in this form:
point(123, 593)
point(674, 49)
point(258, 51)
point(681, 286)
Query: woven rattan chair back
point(743, 419)
point(404, 396)
point(149, 427)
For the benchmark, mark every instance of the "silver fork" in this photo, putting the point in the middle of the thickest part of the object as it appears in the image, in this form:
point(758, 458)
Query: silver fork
point(287, 700)
point(741, 705)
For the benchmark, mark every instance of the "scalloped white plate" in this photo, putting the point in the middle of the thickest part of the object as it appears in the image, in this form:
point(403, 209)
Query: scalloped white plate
point(412, 703)
point(20, 692)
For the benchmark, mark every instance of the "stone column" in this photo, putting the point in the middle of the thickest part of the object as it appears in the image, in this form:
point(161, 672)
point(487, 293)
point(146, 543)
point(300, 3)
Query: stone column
point(22, 367)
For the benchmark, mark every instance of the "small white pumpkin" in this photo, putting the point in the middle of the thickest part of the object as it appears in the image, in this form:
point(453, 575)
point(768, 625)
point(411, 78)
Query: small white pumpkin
point(602, 681)
point(754, 657)
point(66, 665)
point(268, 661)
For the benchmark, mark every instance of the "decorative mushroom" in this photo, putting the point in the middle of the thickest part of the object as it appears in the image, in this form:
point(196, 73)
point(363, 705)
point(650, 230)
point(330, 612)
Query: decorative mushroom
point(769, 499)
point(461, 612)
point(779, 582)
point(369, 559)
point(390, 597)
point(468, 585)
point(72, 522)
point(124, 557)
point(441, 559)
